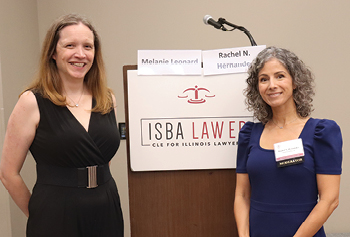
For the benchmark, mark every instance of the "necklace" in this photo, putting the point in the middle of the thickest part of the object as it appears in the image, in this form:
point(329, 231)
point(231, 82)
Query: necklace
point(76, 104)
point(281, 127)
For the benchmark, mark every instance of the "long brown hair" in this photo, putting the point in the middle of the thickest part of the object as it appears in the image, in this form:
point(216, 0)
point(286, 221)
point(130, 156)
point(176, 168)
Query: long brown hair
point(48, 82)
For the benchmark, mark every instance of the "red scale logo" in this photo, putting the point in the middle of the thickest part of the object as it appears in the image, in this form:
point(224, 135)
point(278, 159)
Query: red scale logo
point(197, 99)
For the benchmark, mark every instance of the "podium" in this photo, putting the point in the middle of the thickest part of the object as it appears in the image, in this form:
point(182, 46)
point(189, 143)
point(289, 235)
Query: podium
point(181, 202)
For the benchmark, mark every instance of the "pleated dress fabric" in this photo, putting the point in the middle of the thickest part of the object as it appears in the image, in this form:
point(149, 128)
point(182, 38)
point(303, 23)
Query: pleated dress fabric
point(282, 198)
point(61, 141)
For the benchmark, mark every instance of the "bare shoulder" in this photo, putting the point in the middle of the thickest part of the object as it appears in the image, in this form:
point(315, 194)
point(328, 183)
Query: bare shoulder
point(114, 100)
point(26, 109)
point(28, 99)
point(114, 104)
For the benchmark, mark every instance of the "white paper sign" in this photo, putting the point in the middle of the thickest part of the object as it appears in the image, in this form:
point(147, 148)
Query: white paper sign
point(226, 61)
point(169, 62)
point(185, 122)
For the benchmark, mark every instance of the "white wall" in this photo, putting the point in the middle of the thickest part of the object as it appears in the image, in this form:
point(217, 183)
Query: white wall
point(19, 51)
point(316, 30)
point(5, 225)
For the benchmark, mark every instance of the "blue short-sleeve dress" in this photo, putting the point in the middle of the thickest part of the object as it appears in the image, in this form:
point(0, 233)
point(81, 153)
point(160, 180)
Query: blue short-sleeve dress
point(282, 198)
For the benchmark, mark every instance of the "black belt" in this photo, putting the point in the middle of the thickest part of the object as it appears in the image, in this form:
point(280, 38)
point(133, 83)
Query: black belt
point(88, 177)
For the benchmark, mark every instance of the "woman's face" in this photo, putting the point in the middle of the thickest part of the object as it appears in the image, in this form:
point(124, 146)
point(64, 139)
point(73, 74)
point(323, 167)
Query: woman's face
point(74, 52)
point(276, 84)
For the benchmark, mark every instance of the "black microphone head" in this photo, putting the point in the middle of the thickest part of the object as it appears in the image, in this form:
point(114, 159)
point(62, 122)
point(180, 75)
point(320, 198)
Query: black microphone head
point(206, 19)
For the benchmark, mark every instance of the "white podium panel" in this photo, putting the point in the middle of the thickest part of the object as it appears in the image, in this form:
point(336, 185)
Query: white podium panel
point(185, 122)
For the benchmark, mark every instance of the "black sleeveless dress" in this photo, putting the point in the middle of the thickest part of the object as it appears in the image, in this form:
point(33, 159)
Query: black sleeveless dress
point(61, 141)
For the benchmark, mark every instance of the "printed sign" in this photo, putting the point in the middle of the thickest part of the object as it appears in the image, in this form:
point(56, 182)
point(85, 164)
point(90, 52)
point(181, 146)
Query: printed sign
point(225, 61)
point(185, 122)
point(169, 62)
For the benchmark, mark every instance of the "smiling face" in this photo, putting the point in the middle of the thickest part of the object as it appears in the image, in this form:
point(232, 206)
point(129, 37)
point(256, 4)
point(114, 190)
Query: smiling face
point(276, 85)
point(74, 52)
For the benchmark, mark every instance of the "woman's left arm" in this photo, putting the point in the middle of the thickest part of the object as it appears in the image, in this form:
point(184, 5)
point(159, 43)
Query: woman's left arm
point(328, 189)
point(114, 105)
point(115, 112)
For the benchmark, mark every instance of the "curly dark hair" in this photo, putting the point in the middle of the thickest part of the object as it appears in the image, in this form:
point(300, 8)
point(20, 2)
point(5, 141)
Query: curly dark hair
point(302, 76)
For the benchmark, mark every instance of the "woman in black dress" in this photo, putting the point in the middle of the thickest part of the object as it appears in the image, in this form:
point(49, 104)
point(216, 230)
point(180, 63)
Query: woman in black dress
point(67, 119)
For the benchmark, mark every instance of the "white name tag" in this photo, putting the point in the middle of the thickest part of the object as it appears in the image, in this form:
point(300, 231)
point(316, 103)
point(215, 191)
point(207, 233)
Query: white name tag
point(169, 62)
point(289, 152)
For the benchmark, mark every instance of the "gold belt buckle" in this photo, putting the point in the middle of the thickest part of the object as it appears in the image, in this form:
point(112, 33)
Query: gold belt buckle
point(92, 176)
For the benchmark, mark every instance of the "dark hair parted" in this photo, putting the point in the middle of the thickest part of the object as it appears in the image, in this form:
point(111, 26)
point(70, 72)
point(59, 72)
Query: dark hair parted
point(303, 80)
point(48, 81)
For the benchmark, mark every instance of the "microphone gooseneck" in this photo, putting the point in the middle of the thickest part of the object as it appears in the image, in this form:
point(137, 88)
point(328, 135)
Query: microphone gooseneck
point(208, 20)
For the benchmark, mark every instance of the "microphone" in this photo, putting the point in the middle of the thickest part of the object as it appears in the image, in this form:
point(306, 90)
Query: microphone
point(208, 20)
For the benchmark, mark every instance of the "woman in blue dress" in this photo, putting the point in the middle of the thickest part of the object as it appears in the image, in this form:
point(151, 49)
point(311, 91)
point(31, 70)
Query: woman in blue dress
point(288, 164)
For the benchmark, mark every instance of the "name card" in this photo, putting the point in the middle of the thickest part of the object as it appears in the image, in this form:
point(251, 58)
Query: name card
point(169, 62)
point(226, 61)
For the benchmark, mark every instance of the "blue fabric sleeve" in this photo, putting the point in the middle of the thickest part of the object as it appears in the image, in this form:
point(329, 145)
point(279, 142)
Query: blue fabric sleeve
point(243, 147)
point(327, 146)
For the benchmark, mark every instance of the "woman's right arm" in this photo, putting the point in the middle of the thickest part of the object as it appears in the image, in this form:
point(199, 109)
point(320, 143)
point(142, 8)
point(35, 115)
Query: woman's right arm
point(19, 136)
point(242, 204)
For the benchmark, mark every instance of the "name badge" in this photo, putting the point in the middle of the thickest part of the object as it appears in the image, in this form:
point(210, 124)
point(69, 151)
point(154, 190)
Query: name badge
point(289, 152)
